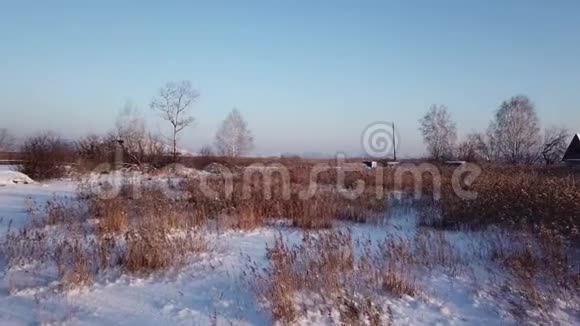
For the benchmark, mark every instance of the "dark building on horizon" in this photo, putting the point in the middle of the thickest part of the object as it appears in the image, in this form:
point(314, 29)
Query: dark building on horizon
point(572, 155)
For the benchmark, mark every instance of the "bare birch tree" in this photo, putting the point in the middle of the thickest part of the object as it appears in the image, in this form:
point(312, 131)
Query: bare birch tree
point(173, 104)
point(439, 132)
point(234, 138)
point(515, 130)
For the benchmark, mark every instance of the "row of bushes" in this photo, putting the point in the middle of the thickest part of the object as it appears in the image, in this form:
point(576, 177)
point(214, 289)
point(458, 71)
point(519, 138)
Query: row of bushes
point(47, 156)
point(508, 195)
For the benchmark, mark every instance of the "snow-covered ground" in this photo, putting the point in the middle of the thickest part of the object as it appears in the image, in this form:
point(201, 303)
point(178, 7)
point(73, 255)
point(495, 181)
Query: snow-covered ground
point(212, 287)
point(13, 177)
point(16, 198)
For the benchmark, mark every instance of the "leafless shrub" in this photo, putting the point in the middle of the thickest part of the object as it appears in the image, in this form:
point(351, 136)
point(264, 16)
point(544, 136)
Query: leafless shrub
point(554, 145)
point(93, 150)
point(44, 156)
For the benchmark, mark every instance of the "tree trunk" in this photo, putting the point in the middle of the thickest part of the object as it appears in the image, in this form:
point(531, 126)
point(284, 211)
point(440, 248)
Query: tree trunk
point(174, 145)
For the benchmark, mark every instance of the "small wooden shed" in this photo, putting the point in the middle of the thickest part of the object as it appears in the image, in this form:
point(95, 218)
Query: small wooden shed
point(572, 155)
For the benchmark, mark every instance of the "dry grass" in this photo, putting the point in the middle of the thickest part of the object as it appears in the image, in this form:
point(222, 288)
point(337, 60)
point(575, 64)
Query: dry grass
point(151, 248)
point(254, 205)
point(531, 217)
point(85, 239)
point(534, 266)
point(112, 215)
point(516, 197)
point(147, 232)
point(328, 271)
point(324, 267)
point(539, 269)
point(393, 283)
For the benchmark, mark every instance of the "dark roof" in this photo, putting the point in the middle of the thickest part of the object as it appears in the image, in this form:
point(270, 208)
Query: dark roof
point(573, 151)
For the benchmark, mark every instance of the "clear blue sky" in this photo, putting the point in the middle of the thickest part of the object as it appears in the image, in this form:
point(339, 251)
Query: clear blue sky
point(307, 75)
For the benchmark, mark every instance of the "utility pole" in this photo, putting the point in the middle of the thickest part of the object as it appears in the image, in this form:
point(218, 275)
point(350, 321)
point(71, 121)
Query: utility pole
point(394, 144)
point(119, 149)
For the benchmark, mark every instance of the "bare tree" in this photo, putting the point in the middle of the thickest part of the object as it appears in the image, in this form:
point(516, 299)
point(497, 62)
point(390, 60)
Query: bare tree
point(173, 103)
point(234, 138)
point(489, 144)
point(479, 146)
point(6, 140)
point(554, 145)
point(515, 130)
point(139, 145)
point(468, 149)
point(439, 132)
point(131, 131)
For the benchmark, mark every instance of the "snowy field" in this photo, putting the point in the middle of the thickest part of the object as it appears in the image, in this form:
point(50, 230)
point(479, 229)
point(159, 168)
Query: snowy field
point(212, 287)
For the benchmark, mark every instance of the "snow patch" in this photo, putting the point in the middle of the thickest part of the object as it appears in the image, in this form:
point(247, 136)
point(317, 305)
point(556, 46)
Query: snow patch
point(14, 177)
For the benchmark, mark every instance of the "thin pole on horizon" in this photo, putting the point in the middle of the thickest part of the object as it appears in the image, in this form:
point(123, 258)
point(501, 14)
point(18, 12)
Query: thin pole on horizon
point(394, 144)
